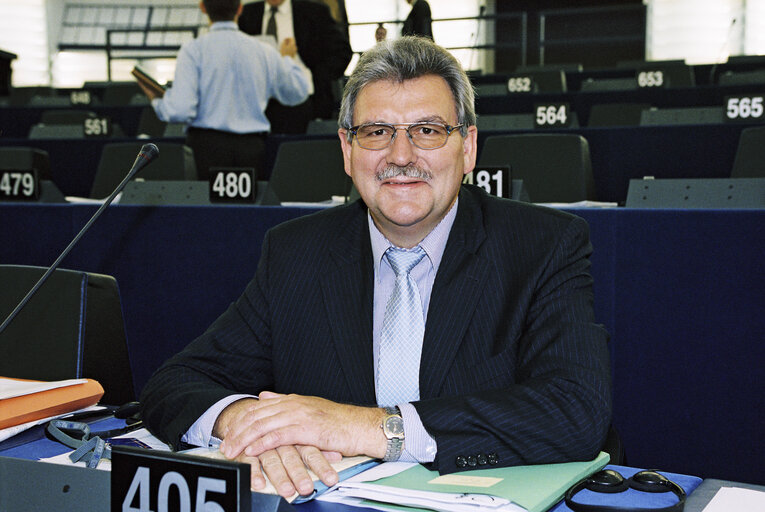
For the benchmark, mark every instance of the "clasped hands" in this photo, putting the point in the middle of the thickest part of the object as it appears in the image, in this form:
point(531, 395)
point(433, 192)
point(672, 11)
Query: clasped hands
point(285, 434)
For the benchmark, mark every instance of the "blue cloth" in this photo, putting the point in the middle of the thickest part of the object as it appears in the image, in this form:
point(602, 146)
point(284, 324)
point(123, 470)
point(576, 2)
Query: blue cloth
point(631, 497)
point(224, 79)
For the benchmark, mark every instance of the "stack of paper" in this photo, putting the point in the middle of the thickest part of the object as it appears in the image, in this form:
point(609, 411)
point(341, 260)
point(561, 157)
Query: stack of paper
point(520, 488)
point(24, 401)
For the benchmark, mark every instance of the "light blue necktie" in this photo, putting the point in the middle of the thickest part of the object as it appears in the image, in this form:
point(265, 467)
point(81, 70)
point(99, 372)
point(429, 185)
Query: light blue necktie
point(403, 327)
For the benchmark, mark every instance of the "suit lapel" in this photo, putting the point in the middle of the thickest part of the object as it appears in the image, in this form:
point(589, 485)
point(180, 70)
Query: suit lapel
point(456, 290)
point(347, 288)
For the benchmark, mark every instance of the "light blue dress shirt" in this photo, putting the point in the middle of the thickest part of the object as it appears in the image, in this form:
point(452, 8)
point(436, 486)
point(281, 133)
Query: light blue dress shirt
point(224, 79)
point(419, 445)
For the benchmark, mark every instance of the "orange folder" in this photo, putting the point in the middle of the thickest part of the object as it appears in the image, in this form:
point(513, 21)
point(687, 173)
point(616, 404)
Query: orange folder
point(34, 406)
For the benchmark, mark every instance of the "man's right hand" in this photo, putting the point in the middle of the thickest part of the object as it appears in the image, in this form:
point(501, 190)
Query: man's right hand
point(288, 47)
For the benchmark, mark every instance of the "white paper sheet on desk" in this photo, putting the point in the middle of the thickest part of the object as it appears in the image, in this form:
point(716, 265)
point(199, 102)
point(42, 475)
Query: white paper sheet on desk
point(10, 388)
point(736, 498)
point(105, 464)
point(9, 432)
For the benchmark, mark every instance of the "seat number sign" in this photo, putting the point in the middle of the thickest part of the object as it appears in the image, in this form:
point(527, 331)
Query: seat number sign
point(97, 127)
point(80, 98)
point(235, 185)
point(494, 180)
point(554, 115)
point(19, 185)
point(744, 109)
point(650, 79)
point(520, 84)
point(155, 481)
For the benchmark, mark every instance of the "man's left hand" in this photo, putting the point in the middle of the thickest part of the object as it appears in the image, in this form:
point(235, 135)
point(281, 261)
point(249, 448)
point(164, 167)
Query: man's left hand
point(284, 420)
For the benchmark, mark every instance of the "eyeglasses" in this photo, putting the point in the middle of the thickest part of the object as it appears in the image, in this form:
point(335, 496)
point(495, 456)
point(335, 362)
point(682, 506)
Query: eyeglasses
point(424, 135)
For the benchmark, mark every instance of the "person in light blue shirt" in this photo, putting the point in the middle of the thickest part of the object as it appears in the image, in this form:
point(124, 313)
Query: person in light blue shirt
point(223, 81)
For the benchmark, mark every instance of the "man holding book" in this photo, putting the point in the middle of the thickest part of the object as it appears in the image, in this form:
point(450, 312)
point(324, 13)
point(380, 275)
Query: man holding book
point(426, 322)
point(223, 81)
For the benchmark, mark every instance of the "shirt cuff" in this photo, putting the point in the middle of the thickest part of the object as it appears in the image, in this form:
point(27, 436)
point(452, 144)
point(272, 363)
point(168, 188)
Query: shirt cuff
point(200, 433)
point(419, 446)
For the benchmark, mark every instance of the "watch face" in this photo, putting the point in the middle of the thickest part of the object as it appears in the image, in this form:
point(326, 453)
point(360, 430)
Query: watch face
point(394, 426)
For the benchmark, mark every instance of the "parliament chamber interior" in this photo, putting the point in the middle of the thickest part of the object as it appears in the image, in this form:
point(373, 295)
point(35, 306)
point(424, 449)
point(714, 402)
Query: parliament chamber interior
point(664, 159)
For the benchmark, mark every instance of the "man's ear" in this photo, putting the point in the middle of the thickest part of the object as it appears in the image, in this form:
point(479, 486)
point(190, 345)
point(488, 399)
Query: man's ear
point(470, 149)
point(346, 147)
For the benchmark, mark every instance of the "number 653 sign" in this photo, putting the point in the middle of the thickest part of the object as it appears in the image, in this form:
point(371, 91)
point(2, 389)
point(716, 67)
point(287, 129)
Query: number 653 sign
point(153, 481)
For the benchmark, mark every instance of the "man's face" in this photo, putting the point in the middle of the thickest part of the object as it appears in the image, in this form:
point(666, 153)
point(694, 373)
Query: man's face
point(406, 208)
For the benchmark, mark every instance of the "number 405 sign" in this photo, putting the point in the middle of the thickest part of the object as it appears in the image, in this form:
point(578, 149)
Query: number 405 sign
point(154, 481)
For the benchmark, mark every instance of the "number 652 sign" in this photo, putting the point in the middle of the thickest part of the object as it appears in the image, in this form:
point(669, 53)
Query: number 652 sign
point(154, 481)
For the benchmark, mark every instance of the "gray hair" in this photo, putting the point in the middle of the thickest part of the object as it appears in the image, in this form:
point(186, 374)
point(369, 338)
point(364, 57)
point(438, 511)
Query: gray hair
point(407, 58)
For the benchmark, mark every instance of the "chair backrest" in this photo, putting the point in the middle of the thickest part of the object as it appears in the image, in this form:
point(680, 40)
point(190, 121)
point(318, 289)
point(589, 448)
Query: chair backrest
point(25, 158)
point(57, 131)
point(750, 154)
point(149, 124)
point(71, 328)
point(554, 167)
point(66, 116)
point(681, 116)
point(505, 122)
point(616, 114)
point(309, 171)
point(175, 163)
point(322, 127)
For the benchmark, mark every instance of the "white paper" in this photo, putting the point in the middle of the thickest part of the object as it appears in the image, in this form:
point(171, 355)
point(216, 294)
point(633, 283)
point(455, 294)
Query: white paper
point(105, 464)
point(10, 388)
point(9, 432)
point(738, 499)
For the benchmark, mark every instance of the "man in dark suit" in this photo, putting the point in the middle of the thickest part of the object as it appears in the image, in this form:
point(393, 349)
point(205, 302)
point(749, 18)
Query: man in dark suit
point(322, 46)
point(418, 23)
point(498, 361)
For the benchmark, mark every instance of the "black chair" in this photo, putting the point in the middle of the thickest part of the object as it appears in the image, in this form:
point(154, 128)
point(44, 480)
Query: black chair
point(554, 167)
point(175, 163)
point(71, 328)
point(750, 154)
point(309, 171)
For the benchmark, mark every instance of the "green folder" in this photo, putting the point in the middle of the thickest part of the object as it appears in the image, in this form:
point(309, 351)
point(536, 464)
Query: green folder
point(535, 488)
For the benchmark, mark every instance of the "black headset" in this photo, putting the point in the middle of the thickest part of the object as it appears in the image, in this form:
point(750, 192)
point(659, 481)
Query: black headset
point(610, 481)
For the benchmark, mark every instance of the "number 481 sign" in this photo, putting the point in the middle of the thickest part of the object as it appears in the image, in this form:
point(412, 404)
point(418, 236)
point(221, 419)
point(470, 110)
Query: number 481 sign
point(494, 180)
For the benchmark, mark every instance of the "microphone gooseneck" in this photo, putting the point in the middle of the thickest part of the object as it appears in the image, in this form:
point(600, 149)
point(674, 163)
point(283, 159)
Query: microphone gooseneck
point(149, 152)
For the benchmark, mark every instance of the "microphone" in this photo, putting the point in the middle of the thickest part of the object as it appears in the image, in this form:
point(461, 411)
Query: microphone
point(148, 153)
point(722, 50)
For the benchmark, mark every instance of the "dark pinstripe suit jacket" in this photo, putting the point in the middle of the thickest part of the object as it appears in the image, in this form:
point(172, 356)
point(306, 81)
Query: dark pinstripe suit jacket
point(512, 363)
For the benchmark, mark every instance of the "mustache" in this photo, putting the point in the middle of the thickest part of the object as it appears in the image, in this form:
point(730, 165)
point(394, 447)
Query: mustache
point(410, 171)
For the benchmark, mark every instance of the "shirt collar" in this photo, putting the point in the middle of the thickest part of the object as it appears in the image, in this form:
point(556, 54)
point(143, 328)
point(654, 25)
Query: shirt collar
point(224, 25)
point(433, 244)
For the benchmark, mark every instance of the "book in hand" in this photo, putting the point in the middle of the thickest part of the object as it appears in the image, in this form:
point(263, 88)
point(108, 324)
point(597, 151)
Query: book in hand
point(346, 468)
point(533, 488)
point(147, 80)
point(23, 401)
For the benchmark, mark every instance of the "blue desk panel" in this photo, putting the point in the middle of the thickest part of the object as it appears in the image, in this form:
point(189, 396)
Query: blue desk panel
point(681, 293)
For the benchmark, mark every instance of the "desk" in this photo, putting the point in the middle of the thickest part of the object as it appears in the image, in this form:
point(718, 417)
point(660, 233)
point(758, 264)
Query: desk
point(45, 448)
point(680, 291)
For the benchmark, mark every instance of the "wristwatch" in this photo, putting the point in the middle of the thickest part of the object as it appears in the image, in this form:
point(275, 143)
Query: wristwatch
point(393, 428)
